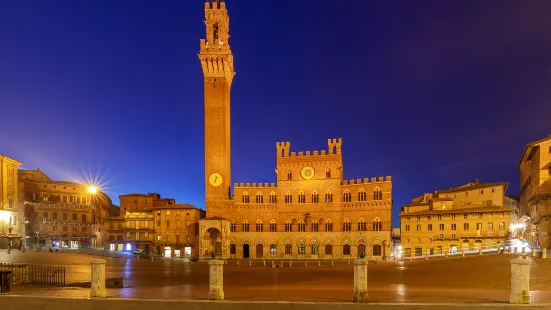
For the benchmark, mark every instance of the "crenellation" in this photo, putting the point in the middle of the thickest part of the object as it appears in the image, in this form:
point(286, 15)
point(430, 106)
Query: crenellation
point(352, 181)
point(307, 153)
point(300, 153)
point(254, 185)
point(316, 153)
point(389, 178)
point(248, 184)
point(323, 152)
point(381, 179)
point(358, 181)
point(366, 180)
point(373, 180)
point(293, 154)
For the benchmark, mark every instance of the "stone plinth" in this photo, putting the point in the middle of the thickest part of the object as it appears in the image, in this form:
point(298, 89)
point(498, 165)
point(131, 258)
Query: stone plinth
point(360, 281)
point(520, 280)
point(98, 278)
point(216, 274)
point(543, 252)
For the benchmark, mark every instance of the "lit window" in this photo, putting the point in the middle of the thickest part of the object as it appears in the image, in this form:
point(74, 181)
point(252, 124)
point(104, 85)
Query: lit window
point(128, 247)
point(259, 198)
point(301, 197)
point(347, 197)
point(273, 249)
point(328, 197)
point(301, 249)
point(378, 224)
point(314, 249)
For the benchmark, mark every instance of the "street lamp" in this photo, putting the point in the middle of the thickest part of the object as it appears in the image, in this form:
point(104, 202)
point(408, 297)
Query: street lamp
point(92, 189)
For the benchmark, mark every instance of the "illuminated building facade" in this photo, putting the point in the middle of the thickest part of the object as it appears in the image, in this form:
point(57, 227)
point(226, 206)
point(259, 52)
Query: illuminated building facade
point(465, 218)
point(61, 213)
point(311, 211)
point(535, 191)
point(10, 210)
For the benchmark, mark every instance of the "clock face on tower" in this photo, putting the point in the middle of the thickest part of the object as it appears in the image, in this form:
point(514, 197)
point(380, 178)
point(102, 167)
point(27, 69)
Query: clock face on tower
point(215, 179)
point(307, 173)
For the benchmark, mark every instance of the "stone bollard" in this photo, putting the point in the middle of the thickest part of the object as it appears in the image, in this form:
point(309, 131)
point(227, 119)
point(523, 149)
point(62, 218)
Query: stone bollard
point(237, 262)
point(138, 256)
point(290, 263)
point(411, 258)
point(332, 263)
point(520, 280)
point(543, 252)
point(348, 262)
point(360, 281)
point(216, 273)
point(273, 264)
point(264, 262)
point(480, 252)
point(305, 263)
point(152, 258)
point(523, 251)
point(319, 263)
point(250, 263)
point(126, 256)
point(98, 278)
point(426, 258)
point(534, 253)
point(463, 254)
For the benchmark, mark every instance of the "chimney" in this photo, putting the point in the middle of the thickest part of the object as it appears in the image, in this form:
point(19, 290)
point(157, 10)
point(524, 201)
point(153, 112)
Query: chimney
point(477, 181)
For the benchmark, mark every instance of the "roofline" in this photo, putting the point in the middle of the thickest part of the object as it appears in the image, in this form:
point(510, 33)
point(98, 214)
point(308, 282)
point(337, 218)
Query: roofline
point(480, 185)
point(529, 146)
point(11, 159)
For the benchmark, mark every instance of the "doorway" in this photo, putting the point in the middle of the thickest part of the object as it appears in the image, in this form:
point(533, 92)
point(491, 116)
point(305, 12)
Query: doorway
point(259, 251)
point(361, 250)
point(245, 250)
point(168, 252)
point(215, 243)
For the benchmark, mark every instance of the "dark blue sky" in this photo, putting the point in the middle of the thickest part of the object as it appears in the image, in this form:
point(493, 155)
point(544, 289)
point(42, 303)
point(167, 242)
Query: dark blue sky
point(433, 93)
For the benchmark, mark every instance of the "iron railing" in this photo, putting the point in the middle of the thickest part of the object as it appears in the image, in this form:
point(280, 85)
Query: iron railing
point(19, 272)
point(35, 274)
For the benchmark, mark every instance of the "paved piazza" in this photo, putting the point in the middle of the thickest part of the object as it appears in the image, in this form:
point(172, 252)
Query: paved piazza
point(470, 279)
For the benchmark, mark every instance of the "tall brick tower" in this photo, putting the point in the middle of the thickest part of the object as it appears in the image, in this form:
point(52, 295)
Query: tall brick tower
point(217, 63)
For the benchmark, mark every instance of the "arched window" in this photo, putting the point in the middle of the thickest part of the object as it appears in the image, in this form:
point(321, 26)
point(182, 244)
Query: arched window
point(362, 195)
point(301, 226)
point(346, 249)
point(328, 249)
point(377, 224)
point(233, 227)
point(315, 197)
point(259, 226)
point(111, 238)
point(347, 197)
point(346, 225)
point(361, 225)
point(288, 198)
point(328, 225)
point(377, 251)
point(273, 226)
point(301, 197)
point(377, 194)
point(259, 197)
point(328, 196)
point(232, 249)
point(315, 225)
point(288, 226)
point(273, 197)
point(245, 197)
point(327, 174)
point(289, 175)
point(245, 226)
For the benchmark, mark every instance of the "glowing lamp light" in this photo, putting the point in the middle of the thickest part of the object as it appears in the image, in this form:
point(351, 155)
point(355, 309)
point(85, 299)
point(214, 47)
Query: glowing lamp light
point(92, 189)
point(4, 216)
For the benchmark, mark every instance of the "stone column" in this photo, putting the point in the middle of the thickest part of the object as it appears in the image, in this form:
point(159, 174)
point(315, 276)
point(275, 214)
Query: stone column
point(543, 252)
point(216, 272)
point(360, 281)
point(98, 278)
point(520, 280)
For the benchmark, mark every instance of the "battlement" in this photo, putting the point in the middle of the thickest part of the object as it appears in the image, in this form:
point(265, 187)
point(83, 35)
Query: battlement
point(334, 147)
point(255, 185)
point(215, 5)
point(367, 180)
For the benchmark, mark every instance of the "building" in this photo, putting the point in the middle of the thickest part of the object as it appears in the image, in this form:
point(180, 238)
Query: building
point(62, 213)
point(154, 225)
point(11, 217)
point(310, 211)
point(535, 191)
point(516, 226)
point(468, 217)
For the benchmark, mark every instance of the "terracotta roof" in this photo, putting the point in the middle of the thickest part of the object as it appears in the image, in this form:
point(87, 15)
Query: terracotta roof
point(458, 211)
point(475, 186)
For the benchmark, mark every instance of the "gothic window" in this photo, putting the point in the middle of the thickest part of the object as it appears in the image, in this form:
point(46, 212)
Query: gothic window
point(301, 249)
point(301, 197)
point(362, 195)
point(361, 225)
point(259, 226)
point(233, 227)
point(245, 197)
point(328, 249)
point(377, 194)
point(315, 226)
point(315, 197)
point(327, 174)
point(245, 226)
point(232, 249)
point(315, 249)
point(259, 198)
point(215, 32)
point(301, 226)
point(328, 225)
point(273, 197)
point(346, 225)
point(288, 249)
point(288, 198)
point(377, 224)
point(347, 197)
point(346, 249)
point(328, 196)
point(289, 175)
point(273, 226)
point(288, 226)
point(377, 250)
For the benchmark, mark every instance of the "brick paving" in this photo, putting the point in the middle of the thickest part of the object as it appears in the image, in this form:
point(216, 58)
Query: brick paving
point(475, 279)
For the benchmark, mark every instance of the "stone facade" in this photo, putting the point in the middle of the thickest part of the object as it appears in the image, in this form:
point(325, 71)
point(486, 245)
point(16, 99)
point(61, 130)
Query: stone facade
point(310, 211)
point(535, 191)
point(62, 213)
point(465, 218)
point(11, 217)
point(150, 224)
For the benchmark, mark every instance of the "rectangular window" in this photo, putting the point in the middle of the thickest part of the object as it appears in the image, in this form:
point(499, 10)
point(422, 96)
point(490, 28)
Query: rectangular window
point(453, 236)
point(407, 227)
point(301, 249)
point(10, 203)
point(490, 226)
point(314, 249)
point(146, 235)
point(465, 216)
point(158, 237)
point(454, 226)
point(288, 249)
point(478, 226)
point(429, 227)
point(465, 226)
point(273, 249)
point(418, 227)
point(53, 228)
point(84, 219)
point(501, 225)
point(440, 217)
point(83, 229)
point(45, 215)
point(441, 226)
point(481, 192)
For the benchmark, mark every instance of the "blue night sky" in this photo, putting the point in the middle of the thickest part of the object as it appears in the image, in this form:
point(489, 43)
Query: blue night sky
point(433, 93)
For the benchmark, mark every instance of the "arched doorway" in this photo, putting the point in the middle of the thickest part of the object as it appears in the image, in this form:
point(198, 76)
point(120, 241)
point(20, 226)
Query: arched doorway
point(465, 245)
point(245, 250)
point(259, 251)
point(361, 250)
point(377, 250)
point(477, 245)
point(215, 243)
